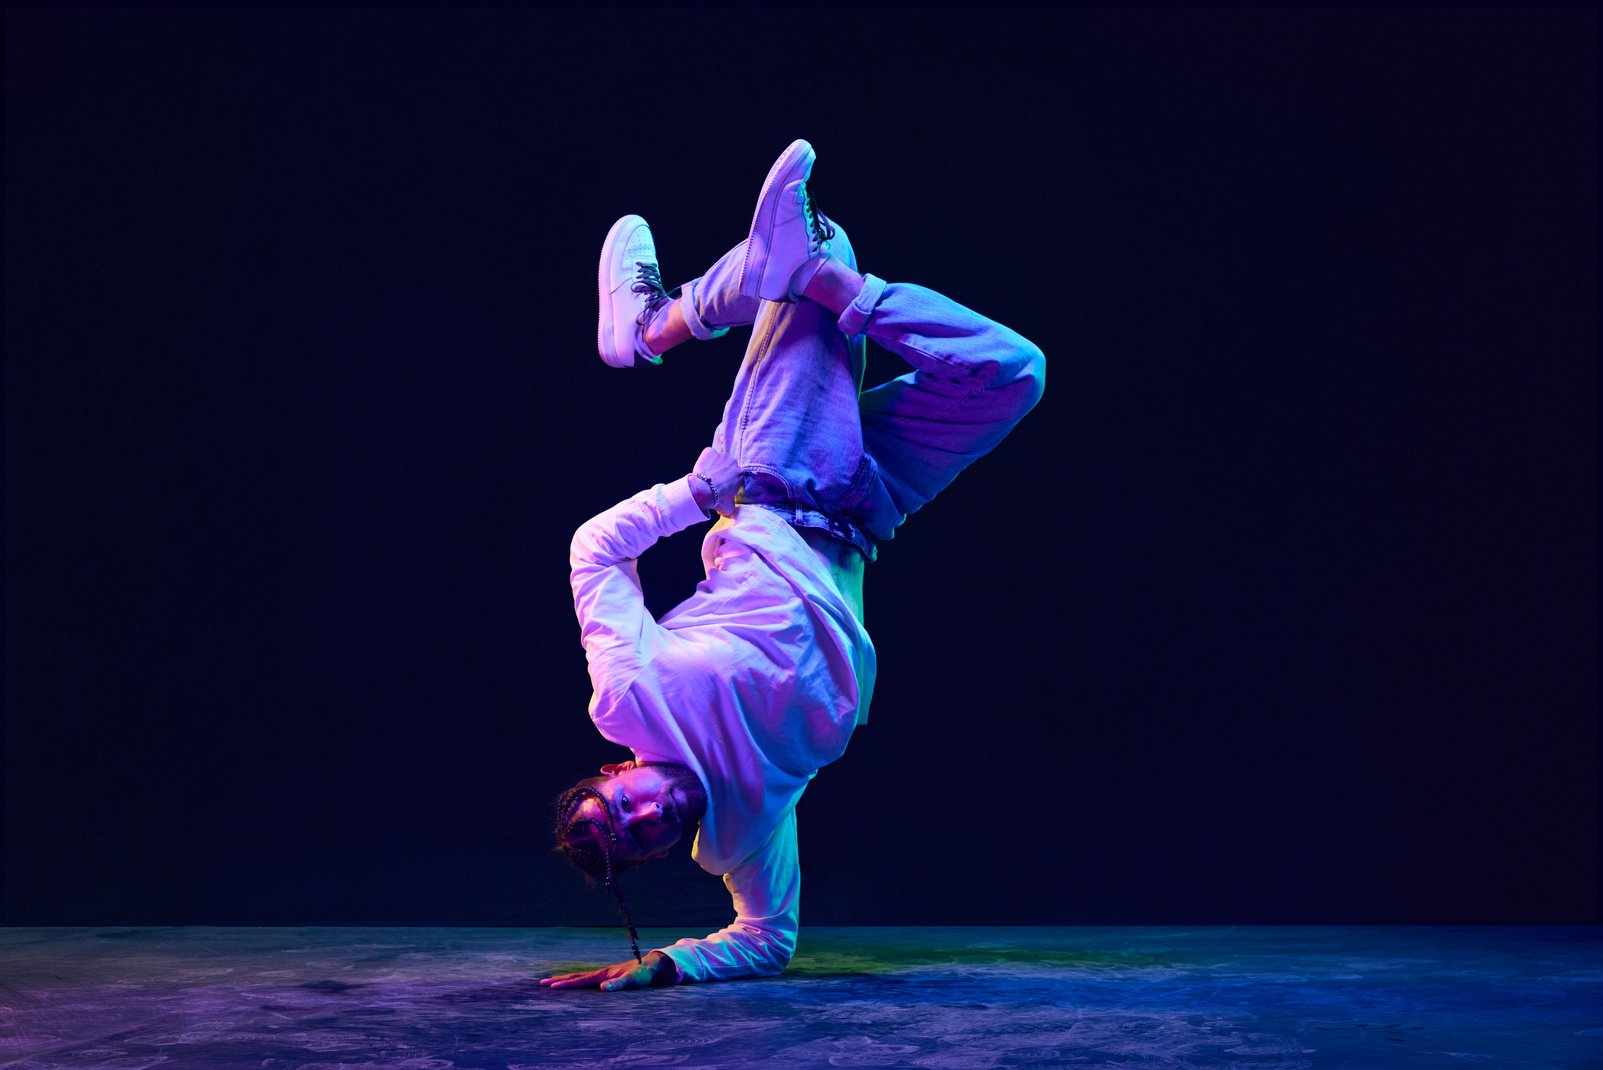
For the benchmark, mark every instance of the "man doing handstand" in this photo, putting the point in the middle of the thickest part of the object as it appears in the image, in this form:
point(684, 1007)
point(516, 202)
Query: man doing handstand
point(734, 699)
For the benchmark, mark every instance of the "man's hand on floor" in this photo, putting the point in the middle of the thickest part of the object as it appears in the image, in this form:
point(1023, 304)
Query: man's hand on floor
point(656, 969)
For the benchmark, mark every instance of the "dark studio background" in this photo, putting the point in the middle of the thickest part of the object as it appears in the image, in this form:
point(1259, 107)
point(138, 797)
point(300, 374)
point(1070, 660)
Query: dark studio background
point(1280, 608)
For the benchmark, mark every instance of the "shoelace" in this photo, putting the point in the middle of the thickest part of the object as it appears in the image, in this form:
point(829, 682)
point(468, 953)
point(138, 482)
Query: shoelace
point(648, 281)
point(819, 228)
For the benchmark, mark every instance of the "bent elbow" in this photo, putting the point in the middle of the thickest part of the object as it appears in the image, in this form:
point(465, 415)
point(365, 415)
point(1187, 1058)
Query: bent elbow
point(783, 948)
point(582, 547)
point(771, 950)
point(775, 962)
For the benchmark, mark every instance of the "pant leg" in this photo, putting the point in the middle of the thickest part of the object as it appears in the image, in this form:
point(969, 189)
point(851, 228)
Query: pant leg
point(973, 379)
point(805, 437)
point(792, 420)
point(714, 302)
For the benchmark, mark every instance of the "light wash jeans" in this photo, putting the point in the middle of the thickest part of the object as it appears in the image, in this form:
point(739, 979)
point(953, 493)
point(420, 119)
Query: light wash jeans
point(812, 445)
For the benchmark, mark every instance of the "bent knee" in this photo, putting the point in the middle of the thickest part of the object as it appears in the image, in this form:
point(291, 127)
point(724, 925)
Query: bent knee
point(1035, 361)
point(1028, 381)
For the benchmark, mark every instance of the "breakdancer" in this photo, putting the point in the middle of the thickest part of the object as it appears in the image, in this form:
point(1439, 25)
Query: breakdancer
point(734, 699)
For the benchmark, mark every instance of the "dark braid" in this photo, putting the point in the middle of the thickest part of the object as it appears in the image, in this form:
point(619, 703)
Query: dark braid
point(569, 802)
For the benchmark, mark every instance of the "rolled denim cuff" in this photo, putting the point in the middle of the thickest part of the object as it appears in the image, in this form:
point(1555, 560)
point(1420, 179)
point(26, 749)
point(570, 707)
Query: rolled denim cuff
point(693, 320)
point(856, 315)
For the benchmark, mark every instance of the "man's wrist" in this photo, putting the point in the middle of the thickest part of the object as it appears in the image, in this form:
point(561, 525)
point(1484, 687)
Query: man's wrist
point(666, 969)
point(703, 491)
point(677, 507)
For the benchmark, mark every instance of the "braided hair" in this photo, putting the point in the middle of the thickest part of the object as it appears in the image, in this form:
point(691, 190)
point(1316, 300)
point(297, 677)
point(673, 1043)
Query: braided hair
point(585, 857)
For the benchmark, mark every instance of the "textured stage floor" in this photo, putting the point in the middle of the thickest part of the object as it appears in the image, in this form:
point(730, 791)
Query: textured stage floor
point(430, 999)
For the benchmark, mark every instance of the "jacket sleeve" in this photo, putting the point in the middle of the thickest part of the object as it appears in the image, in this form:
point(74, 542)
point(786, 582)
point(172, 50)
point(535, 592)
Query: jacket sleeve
point(766, 889)
point(613, 622)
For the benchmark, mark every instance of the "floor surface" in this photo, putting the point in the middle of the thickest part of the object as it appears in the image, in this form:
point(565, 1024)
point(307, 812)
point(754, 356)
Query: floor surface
point(960, 998)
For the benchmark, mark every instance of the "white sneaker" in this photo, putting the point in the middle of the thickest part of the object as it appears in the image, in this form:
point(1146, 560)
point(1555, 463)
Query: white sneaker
point(631, 289)
point(785, 232)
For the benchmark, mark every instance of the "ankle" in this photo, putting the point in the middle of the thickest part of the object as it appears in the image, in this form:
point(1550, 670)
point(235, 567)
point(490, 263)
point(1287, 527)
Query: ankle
point(828, 282)
point(665, 328)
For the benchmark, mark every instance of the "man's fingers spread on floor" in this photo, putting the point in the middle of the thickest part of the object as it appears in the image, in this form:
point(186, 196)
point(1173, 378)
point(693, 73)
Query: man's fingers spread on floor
point(564, 980)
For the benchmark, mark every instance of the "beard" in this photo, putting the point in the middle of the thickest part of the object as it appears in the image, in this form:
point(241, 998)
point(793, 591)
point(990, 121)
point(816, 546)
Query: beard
point(684, 779)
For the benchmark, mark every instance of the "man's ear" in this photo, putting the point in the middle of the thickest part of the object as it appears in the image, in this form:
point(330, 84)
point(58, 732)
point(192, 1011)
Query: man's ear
point(617, 767)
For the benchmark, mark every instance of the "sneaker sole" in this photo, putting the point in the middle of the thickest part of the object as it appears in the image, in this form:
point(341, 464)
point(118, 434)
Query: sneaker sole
point(605, 326)
point(776, 176)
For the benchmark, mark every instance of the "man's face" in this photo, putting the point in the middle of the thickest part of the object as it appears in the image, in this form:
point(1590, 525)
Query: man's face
point(650, 810)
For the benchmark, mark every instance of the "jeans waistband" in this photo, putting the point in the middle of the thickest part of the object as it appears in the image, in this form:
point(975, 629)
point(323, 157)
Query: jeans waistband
point(834, 526)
